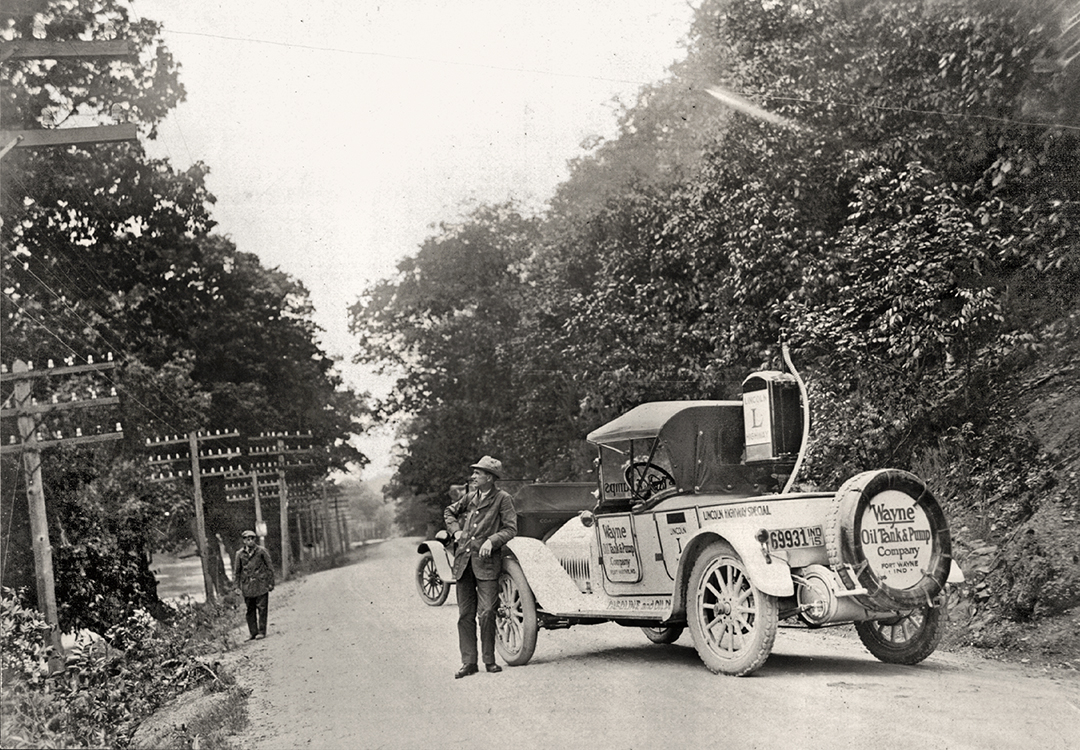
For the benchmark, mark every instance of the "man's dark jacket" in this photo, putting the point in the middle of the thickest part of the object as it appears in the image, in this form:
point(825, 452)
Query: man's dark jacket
point(254, 572)
point(479, 519)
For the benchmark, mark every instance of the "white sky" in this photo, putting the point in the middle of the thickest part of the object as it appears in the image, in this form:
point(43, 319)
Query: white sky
point(338, 131)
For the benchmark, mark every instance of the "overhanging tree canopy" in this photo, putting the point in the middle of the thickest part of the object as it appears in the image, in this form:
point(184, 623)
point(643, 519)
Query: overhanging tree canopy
point(920, 217)
point(108, 251)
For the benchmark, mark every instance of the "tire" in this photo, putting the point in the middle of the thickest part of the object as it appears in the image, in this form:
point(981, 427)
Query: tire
point(663, 635)
point(722, 597)
point(876, 555)
point(431, 587)
point(906, 639)
point(515, 619)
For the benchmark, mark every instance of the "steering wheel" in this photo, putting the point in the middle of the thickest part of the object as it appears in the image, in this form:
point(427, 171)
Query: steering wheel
point(645, 479)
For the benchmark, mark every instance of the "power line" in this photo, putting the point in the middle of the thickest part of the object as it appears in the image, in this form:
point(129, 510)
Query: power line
point(391, 56)
point(909, 110)
point(60, 259)
point(11, 513)
point(411, 58)
point(169, 120)
point(556, 74)
point(164, 394)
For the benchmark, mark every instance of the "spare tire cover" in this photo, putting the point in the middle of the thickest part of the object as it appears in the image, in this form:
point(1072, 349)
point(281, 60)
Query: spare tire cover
point(887, 526)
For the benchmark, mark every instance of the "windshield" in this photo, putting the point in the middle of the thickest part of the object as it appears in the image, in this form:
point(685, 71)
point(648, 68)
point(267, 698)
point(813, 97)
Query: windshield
point(633, 471)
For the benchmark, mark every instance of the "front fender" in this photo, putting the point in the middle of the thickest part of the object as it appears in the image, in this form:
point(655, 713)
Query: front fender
point(770, 577)
point(444, 564)
point(553, 588)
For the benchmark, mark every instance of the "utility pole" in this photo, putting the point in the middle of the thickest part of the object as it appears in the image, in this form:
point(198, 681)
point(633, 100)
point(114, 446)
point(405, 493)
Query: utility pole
point(283, 512)
point(200, 518)
point(197, 474)
point(281, 450)
point(38, 49)
point(45, 50)
point(26, 411)
point(342, 518)
point(332, 545)
point(337, 539)
point(259, 490)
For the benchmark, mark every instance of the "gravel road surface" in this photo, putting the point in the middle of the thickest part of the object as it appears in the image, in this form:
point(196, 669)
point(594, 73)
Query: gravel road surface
point(354, 659)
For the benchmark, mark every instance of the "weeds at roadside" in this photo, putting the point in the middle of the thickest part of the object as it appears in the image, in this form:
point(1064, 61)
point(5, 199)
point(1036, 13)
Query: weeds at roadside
point(209, 723)
point(110, 685)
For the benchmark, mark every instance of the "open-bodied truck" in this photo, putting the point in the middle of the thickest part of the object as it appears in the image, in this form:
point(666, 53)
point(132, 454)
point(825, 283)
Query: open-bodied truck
point(688, 530)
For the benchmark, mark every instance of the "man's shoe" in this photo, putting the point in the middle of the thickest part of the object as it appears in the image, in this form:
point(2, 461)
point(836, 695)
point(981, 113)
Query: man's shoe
point(493, 668)
point(465, 671)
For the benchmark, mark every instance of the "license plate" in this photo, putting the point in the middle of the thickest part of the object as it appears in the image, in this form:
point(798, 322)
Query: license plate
point(804, 536)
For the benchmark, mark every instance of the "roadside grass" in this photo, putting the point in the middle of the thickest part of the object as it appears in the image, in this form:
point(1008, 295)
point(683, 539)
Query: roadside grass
point(203, 718)
point(111, 686)
point(145, 684)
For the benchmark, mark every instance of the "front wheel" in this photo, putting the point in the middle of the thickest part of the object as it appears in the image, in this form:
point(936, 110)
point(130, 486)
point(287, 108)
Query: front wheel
point(907, 638)
point(732, 622)
point(663, 635)
point(429, 584)
point(515, 620)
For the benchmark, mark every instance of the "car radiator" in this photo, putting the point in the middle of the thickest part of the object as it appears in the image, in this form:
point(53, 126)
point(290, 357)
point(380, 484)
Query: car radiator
point(578, 569)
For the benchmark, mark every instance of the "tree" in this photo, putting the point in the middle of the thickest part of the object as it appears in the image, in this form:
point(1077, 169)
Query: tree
point(938, 184)
point(911, 226)
point(105, 250)
point(442, 323)
point(885, 232)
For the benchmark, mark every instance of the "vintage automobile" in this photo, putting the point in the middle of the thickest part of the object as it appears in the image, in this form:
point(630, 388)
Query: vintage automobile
point(692, 528)
point(542, 508)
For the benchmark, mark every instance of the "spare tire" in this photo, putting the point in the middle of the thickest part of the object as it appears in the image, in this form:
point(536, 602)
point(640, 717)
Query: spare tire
point(886, 534)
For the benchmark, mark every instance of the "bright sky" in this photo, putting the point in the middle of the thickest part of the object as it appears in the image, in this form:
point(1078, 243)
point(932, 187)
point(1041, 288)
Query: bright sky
point(337, 132)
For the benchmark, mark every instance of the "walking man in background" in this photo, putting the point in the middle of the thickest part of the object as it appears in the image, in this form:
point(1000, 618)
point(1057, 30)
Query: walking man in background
point(481, 522)
point(255, 578)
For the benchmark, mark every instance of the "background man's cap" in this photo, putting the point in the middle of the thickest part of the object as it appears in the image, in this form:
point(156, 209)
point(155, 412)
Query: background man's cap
point(490, 465)
point(248, 533)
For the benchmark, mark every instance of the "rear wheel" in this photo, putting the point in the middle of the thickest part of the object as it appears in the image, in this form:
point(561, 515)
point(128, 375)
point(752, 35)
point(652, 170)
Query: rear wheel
point(907, 638)
point(663, 635)
point(733, 623)
point(515, 620)
point(429, 584)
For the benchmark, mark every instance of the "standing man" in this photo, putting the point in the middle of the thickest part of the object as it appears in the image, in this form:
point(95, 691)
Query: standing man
point(481, 522)
point(255, 578)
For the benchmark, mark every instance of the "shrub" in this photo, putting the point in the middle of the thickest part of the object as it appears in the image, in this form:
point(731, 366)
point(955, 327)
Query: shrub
point(23, 648)
point(109, 686)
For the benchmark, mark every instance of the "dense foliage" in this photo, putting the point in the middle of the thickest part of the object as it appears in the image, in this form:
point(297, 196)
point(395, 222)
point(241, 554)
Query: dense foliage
point(107, 689)
point(108, 252)
point(913, 232)
point(445, 324)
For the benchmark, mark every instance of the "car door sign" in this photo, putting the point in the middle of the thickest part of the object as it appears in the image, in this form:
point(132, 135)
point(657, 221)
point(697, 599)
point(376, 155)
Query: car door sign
point(673, 528)
point(618, 549)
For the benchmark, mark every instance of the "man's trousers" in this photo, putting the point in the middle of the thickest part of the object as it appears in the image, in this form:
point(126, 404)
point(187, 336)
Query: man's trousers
point(256, 613)
point(477, 600)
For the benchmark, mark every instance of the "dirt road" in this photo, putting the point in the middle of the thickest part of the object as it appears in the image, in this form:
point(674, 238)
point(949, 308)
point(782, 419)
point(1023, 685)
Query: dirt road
point(354, 659)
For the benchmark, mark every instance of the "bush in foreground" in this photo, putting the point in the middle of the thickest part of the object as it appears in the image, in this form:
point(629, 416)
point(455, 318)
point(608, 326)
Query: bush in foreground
point(109, 685)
